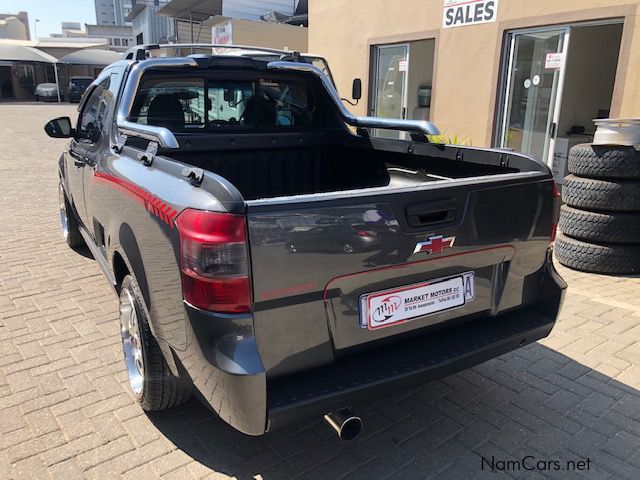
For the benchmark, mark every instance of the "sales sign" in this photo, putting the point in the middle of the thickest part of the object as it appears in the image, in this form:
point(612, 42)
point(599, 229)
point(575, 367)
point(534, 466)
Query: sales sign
point(458, 13)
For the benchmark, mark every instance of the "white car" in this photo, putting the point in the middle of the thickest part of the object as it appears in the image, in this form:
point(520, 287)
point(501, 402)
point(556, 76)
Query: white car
point(47, 92)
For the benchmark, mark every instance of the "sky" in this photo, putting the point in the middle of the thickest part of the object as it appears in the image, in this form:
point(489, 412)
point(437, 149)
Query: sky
point(51, 13)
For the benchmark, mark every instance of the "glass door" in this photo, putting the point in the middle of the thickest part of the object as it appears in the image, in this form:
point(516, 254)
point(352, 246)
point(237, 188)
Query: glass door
point(390, 85)
point(533, 91)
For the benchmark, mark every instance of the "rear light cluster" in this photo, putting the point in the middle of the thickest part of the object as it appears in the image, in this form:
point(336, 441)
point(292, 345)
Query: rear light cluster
point(556, 210)
point(215, 265)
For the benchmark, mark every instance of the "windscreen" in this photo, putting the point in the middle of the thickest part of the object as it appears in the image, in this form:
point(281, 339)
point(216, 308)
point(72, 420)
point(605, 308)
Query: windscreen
point(191, 104)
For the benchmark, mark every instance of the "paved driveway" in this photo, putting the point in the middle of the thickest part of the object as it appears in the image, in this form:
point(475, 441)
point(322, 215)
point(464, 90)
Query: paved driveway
point(65, 410)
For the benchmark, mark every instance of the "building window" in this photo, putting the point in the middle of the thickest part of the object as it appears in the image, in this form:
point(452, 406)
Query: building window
point(125, 42)
point(50, 74)
point(116, 42)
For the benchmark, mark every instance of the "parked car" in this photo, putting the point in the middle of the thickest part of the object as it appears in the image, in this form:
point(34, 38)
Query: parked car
point(77, 87)
point(47, 92)
point(189, 221)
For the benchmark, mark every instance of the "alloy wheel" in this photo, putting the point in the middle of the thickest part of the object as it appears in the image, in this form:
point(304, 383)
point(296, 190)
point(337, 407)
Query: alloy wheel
point(64, 216)
point(131, 342)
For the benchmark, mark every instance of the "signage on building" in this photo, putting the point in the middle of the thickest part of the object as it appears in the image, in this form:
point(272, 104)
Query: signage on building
point(554, 60)
point(222, 34)
point(458, 13)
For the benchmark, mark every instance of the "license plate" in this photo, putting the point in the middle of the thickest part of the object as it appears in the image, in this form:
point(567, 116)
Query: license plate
point(383, 309)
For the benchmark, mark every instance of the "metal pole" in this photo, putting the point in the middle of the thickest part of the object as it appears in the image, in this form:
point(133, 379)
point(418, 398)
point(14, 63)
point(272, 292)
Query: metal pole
point(191, 25)
point(55, 72)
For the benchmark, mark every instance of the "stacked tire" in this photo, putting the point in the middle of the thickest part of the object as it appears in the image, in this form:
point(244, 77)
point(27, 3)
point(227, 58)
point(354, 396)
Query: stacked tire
point(600, 221)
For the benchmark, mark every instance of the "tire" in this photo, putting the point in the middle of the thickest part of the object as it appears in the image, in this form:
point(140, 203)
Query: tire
point(597, 258)
point(604, 161)
point(153, 384)
point(600, 227)
point(69, 221)
point(601, 195)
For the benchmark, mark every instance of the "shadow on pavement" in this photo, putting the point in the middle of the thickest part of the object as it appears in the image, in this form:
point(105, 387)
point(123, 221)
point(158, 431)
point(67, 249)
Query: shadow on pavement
point(534, 406)
point(84, 251)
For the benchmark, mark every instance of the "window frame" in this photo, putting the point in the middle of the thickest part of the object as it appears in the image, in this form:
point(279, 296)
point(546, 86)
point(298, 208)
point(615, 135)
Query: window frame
point(114, 86)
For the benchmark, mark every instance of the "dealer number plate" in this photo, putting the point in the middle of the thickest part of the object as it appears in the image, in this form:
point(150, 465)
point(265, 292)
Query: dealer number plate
point(383, 309)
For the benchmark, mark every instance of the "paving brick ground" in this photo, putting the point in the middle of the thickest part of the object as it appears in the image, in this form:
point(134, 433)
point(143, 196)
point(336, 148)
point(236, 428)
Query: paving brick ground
point(65, 410)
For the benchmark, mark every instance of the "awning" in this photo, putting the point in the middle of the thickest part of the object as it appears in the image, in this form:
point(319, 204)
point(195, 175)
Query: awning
point(21, 53)
point(91, 56)
point(196, 10)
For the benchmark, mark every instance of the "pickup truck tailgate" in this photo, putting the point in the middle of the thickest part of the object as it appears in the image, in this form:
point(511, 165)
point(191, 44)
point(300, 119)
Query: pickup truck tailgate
point(337, 273)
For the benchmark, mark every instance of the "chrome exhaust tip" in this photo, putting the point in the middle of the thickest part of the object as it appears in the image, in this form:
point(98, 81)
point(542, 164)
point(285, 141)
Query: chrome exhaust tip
point(346, 424)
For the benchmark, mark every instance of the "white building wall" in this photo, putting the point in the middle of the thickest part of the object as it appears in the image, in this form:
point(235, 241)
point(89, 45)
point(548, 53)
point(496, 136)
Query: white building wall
point(13, 28)
point(252, 9)
point(154, 28)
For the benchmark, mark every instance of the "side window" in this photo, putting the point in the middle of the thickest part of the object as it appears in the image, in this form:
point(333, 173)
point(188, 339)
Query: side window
point(94, 112)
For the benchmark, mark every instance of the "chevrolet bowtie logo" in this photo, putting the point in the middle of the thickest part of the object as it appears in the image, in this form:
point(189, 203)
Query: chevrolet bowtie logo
point(434, 245)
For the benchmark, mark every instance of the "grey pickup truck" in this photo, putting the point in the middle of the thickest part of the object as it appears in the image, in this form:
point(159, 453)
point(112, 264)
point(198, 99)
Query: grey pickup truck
point(275, 255)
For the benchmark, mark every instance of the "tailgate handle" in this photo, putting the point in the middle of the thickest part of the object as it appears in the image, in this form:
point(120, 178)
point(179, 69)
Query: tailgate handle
point(422, 214)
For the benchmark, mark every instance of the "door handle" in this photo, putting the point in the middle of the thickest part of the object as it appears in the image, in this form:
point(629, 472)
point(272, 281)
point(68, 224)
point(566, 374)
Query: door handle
point(78, 160)
point(431, 213)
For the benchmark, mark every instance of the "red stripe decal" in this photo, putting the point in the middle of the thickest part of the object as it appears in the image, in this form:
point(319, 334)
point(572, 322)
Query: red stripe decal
point(150, 202)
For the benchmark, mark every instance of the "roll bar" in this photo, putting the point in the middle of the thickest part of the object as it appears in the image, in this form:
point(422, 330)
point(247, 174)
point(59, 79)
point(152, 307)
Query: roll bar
point(166, 139)
point(139, 51)
point(162, 135)
point(416, 126)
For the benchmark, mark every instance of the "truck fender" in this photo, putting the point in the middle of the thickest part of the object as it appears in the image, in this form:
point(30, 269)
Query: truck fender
point(130, 253)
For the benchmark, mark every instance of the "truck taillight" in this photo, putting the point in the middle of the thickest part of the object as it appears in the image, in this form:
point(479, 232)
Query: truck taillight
point(556, 210)
point(215, 266)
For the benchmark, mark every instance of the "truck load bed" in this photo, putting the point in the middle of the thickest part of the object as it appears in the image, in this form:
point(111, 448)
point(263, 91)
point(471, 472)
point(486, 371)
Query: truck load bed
point(314, 164)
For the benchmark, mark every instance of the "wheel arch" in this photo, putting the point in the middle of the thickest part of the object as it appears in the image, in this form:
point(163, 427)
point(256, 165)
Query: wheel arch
point(128, 260)
point(120, 269)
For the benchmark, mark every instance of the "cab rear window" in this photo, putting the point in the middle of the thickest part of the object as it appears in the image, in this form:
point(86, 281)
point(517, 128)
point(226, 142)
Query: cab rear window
point(188, 104)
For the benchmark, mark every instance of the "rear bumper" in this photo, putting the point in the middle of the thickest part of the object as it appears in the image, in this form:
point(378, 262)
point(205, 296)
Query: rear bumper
point(403, 365)
point(415, 361)
point(238, 389)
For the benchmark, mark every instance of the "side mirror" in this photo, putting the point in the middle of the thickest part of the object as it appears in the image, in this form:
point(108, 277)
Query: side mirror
point(59, 128)
point(356, 89)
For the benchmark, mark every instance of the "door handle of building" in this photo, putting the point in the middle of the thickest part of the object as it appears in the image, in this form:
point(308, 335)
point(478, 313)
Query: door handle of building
point(404, 112)
point(553, 130)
